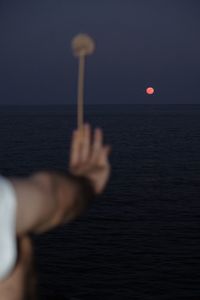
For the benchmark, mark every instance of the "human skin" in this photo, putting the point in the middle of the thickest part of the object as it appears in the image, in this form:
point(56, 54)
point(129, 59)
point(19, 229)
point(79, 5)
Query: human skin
point(46, 200)
point(21, 284)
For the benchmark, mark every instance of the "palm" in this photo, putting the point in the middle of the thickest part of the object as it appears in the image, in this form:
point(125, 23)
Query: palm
point(90, 159)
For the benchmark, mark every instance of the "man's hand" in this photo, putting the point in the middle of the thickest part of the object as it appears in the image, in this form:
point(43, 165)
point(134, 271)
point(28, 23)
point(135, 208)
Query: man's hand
point(47, 199)
point(90, 158)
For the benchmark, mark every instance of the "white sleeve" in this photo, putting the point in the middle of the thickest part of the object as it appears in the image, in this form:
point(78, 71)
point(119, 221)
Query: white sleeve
point(8, 247)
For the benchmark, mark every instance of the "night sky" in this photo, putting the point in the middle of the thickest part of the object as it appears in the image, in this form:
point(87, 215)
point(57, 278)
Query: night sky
point(139, 44)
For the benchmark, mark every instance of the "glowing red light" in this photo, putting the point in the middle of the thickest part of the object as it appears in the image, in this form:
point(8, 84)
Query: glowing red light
point(150, 91)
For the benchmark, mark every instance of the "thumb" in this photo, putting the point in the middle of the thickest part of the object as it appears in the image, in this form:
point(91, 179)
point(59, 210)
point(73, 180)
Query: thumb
point(108, 149)
point(105, 152)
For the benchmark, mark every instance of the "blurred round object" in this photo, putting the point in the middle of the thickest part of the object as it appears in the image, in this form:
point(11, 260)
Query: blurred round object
point(83, 44)
point(150, 90)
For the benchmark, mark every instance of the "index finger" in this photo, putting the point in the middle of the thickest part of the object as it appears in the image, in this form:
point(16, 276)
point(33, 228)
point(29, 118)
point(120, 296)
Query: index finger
point(75, 148)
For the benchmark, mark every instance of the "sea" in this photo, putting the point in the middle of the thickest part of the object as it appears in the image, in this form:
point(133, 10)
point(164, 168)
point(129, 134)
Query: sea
point(141, 238)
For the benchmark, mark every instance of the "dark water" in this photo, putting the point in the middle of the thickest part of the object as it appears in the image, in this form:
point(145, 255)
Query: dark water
point(141, 239)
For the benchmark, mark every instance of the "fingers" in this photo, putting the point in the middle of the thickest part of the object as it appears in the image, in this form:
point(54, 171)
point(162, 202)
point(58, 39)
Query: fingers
point(97, 144)
point(75, 148)
point(80, 146)
point(104, 154)
point(84, 151)
point(86, 143)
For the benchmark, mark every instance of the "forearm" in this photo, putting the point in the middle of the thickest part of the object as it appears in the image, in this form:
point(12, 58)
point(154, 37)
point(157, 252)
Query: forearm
point(44, 201)
point(36, 205)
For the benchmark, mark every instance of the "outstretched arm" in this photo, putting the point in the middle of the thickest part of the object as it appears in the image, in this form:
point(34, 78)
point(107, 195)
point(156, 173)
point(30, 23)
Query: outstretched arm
point(47, 199)
point(44, 200)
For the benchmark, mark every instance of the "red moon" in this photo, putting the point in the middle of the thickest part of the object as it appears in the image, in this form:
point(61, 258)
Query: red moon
point(150, 91)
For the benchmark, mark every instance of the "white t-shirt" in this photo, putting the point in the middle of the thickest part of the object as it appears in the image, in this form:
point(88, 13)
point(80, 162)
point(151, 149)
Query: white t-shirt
point(8, 248)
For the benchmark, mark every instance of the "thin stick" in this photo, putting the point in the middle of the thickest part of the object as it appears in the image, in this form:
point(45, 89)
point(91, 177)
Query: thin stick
point(82, 45)
point(81, 73)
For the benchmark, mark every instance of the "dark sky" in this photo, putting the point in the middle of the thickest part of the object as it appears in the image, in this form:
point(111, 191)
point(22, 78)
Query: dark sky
point(139, 43)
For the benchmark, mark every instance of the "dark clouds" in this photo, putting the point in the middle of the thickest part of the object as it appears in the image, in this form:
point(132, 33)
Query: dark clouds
point(139, 43)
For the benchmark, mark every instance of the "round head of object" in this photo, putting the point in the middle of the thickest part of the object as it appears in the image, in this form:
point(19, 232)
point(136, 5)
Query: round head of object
point(83, 44)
